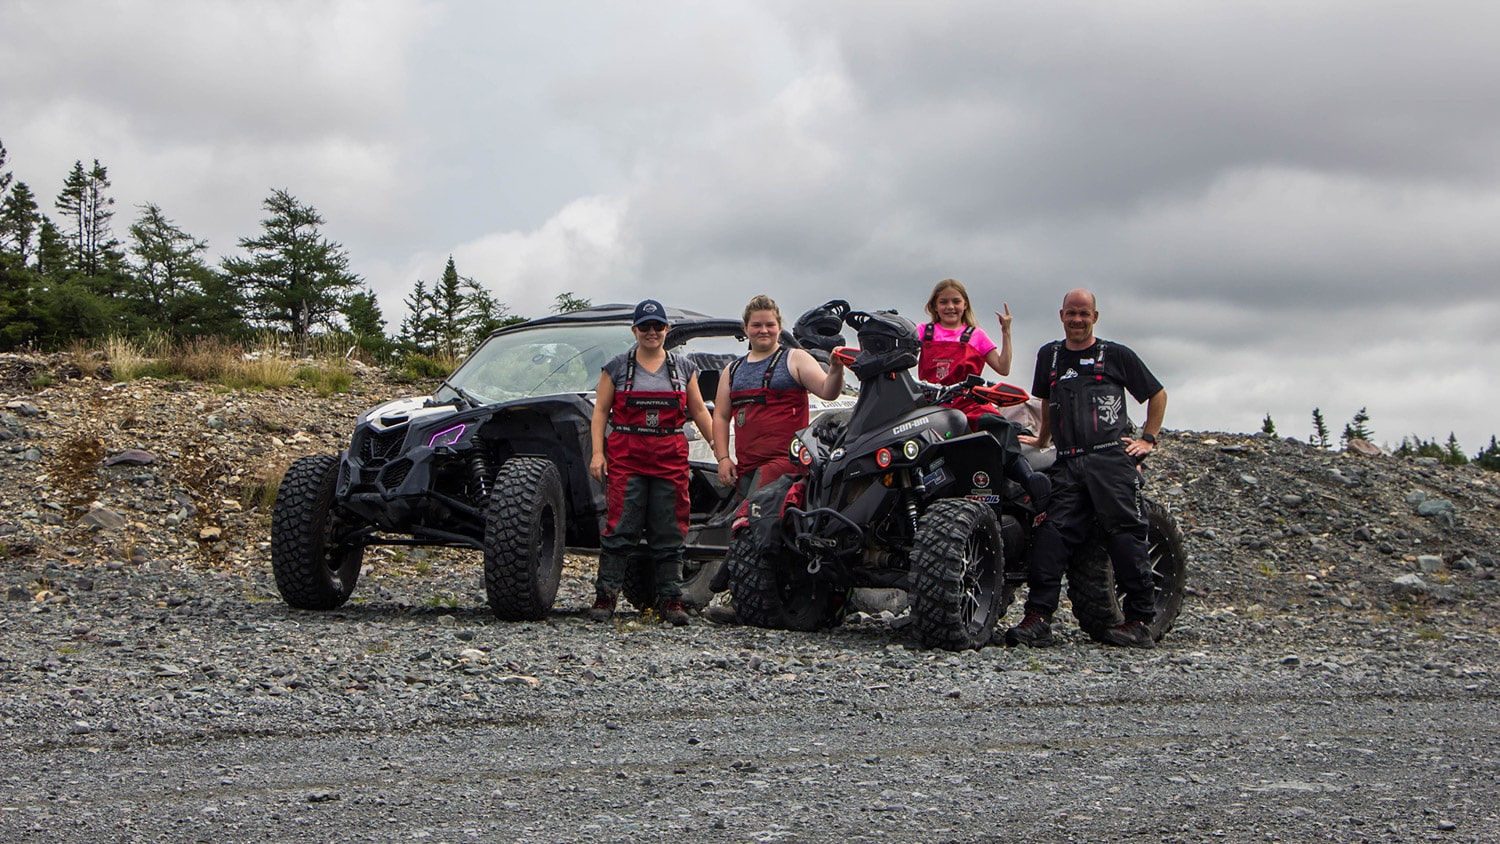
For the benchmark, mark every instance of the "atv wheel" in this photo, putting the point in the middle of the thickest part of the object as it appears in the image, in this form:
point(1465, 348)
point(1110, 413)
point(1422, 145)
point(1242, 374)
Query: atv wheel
point(314, 570)
point(523, 539)
point(774, 592)
point(1091, 578)
point(640, 582)
point(956, 575)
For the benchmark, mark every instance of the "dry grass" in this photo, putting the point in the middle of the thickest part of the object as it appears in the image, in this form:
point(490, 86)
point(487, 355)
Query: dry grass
point(204, 358)
point(127, 359)
point(90, 362)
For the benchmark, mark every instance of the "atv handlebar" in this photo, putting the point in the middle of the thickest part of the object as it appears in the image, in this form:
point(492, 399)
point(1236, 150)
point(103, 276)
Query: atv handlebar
point(999, 394)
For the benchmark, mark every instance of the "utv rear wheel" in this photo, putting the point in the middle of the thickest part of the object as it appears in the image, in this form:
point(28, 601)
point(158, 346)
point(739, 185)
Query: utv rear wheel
point(1091, 578)
point(956, 575)
point(769, 590)
point(523, 539)
point(314, 569)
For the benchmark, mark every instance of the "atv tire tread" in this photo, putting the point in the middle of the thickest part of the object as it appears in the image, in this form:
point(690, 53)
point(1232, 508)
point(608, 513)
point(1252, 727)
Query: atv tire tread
point(945, 586)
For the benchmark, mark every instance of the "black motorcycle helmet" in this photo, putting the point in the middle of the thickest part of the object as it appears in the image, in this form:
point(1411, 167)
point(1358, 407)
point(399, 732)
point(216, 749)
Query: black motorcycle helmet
point(888, 342)
point(819, 328)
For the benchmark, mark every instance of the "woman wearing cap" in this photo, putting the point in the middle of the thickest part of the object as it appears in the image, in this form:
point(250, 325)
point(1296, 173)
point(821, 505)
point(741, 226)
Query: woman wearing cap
point(765, 393)
point(644, 397)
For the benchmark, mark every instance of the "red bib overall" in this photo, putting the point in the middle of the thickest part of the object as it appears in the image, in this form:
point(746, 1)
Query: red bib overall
point(647, 439)
point(949, 362)
point(765, 420)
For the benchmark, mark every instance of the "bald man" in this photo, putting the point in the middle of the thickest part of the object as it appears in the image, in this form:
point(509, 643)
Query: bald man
point(1083, 381)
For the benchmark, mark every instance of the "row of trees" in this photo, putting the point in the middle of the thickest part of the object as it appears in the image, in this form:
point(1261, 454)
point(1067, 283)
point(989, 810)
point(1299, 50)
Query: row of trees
point(1358, 428)
point(66, 277)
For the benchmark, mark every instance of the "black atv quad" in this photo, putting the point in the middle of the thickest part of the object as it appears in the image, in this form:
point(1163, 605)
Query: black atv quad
point(900, 493)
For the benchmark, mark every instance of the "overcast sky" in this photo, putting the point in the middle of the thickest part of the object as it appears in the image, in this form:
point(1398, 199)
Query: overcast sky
point(1281, 206)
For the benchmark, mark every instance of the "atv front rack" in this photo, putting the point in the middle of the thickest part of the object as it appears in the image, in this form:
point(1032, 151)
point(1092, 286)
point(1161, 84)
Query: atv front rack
point(821, 534)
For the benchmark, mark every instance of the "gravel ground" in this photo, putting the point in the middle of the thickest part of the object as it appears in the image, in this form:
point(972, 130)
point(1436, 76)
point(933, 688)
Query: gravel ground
point(159, 704)
point(1332, 676)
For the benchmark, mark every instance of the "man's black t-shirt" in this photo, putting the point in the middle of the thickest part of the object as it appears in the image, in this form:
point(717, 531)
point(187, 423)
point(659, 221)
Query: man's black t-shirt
point(1121, 365)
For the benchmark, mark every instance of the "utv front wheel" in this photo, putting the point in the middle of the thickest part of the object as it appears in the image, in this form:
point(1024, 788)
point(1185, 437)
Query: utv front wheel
point(523, 539)
point(956, 575)
point(314, 569)
point(1091, 578)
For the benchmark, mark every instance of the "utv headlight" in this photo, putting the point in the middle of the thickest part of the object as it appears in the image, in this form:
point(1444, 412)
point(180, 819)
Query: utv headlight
point(910, 448)
point(795, 451)
point(447, 436)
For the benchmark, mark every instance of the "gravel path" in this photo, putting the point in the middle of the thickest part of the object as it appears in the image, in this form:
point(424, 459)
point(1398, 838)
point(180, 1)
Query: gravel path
point(188, 705)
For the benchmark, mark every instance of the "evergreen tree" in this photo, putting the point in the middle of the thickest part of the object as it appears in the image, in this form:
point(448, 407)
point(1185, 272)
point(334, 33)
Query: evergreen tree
point(367, 323)
point(1489, 458)
point(19, 221)
point(417, 328)
point(450, 312)
point(1320, 429)
point(485, 313)
point(294, 279)
point(86, 208)
point(1415, 446)
point(5, 175)
point(171, 281)
point(566, 302)
point(1357, 429)
point(53, 259)
point(1455, 456)
point(1268, 427)
point(17, 317)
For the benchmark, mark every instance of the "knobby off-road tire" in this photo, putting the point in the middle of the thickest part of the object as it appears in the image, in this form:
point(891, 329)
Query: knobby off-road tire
point(772, 589)
point(524, 539)
point(640, 582)
point(956, 576)
point(313, 570)
point(1091, 578)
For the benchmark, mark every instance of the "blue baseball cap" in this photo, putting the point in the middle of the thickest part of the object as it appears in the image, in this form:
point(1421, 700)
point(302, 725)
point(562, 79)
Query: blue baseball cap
point(649, 310)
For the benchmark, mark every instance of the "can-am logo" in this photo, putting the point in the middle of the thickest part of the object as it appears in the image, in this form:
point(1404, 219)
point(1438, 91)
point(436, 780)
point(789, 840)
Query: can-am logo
point(915, 423)
point(981, 479)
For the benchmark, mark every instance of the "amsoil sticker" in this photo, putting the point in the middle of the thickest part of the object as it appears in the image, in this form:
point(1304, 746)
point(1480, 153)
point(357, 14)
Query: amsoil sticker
point(987, 498)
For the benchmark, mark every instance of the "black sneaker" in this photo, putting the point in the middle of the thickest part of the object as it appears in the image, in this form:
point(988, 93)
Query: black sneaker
point(1034, 632)
point(603, 608)
point(1131, 634)
point(672, 612)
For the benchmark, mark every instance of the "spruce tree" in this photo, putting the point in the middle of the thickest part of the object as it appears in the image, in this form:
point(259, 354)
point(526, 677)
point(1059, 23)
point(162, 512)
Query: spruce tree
point(19, 222)
point(1268, 427)
point(87, 210)
point(1454, 455)
point(1320, 429)
point(171, 282)
point(1489, 458)
point(1358, 429)
point(294, 280)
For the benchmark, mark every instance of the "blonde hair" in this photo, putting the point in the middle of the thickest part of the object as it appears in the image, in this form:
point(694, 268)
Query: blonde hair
point(968, 317)
point(761, 303)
